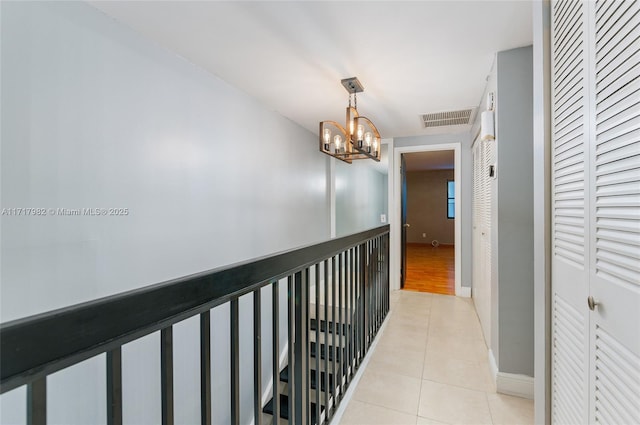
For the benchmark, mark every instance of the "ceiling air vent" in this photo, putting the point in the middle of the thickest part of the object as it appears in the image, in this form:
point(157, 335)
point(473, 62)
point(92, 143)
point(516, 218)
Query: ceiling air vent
point(442, 119)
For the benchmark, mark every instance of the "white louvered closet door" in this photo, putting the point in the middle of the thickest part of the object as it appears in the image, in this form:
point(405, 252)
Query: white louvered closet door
point(482, 236)
point(596, 212)
point(570, 332)
point(615, 202)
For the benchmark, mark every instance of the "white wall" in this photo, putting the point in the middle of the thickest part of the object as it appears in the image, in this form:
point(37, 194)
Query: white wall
point(94, 116)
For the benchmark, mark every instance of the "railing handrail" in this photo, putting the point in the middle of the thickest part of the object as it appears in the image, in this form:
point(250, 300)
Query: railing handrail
point(42, 344)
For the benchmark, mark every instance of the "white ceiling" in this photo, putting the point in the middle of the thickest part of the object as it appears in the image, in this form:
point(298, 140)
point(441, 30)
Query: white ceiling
point(412, 57)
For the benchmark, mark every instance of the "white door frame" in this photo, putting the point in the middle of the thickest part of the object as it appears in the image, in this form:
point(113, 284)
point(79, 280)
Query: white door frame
point(395, 203)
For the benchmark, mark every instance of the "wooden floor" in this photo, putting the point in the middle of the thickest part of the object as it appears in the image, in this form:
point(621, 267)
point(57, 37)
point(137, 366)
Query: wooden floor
point(430, 269)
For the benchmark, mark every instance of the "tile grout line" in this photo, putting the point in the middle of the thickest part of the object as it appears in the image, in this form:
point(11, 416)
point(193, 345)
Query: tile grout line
point(424, 357)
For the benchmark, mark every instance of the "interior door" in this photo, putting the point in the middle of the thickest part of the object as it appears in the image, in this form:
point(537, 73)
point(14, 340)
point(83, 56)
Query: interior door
point(481, 235)
point(570, 217)
point(596, 214)
point(404, 224)
point(614, 229)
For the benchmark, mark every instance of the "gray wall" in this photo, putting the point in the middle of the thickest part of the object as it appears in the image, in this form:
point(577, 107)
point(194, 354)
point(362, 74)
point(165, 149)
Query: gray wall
point(427, 207)
point(515, 210)
point(512, 321)
point(466, 188)
point(94, 116)
point(360, 196)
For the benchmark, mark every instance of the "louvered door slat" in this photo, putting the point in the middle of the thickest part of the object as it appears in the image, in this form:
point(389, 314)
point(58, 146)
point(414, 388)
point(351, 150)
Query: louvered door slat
point(561, 12)
point(571, 107)
point(617, 383)
point(608, 26)
point(568, 151)
point(619, 96)
point(569, 55)
point(609, 60)
point(609, 87)
point(626, 104)
point(569, 77)
point(572, 24)
point(570, 59)
point(626, 152)
point(568, 398)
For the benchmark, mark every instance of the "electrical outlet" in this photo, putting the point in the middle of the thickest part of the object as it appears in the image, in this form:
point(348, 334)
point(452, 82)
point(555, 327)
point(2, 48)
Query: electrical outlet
point(424, 235)
point(383, 218)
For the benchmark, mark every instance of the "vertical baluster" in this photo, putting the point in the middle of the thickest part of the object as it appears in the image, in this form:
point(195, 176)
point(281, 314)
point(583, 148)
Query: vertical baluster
point(301, 351)
point(372, 293)
point(377, 281)
point(114, 386)
point(354, 309)
point(327, 390)
point(37, 402)
point(372, 280)
point(387, 280)
point(365, 297)
point(380, 282)
point(360, 304)
point(166, 374)
point(385, 277)
point(352, 317)
point(339, 350)
point(334, 301)
point(374, 289)
point(347, 314)
point(318, 370)
point(291, 355)
point(372, 270)
point(205, 368)
point(352, 302)
point(257, 358)
point(275, 330)
point(235, 361)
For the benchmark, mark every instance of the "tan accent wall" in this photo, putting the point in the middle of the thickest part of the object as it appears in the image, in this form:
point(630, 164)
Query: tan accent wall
point(427, 207)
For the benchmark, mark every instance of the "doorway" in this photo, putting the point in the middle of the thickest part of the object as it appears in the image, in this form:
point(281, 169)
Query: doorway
point(428, 221)
point(395, 183)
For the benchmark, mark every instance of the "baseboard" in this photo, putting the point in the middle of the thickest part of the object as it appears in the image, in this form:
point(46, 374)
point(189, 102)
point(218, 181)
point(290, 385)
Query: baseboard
point(463, 291)
point(511, 383)
point(493, 366)
point(515, 384)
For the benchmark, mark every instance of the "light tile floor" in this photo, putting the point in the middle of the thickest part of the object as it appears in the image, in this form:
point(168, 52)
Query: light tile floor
point(431, 367)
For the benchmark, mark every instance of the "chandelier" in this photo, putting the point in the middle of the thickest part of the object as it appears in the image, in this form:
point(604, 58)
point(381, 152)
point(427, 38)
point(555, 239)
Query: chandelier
point(359, 139)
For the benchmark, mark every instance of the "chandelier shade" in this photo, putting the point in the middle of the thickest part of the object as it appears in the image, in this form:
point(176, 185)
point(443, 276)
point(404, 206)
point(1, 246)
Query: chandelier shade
point(358, 139)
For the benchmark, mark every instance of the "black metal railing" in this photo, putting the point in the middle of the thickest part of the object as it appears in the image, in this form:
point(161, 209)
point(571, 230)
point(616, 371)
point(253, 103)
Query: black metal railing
point(338, 297)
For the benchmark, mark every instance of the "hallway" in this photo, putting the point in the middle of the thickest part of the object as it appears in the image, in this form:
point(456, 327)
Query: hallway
point(430, 366)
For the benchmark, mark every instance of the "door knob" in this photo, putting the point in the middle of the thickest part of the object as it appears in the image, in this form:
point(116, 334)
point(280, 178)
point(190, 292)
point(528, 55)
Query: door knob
point(592, 303)
point(406, 225)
